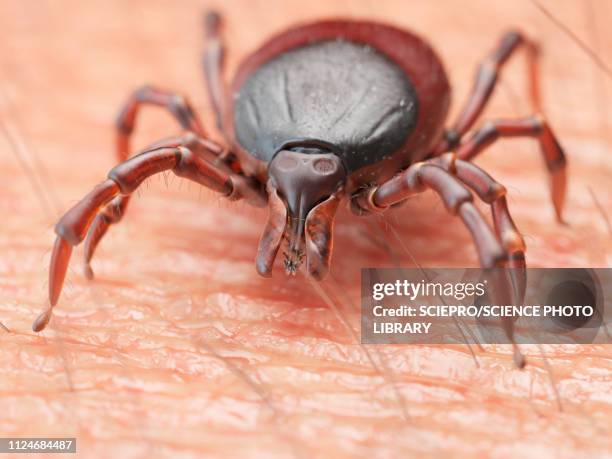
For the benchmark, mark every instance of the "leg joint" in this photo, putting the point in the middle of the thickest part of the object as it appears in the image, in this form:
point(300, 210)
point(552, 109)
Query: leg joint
point(73, 226)
point(509, 42)
point(452, 137)
point(488, 133)
point(452, 192)
point(130, 174)
point(142, 93)
point(113, 212)
point(191, 166)
point(363, 203)
point(182, 111)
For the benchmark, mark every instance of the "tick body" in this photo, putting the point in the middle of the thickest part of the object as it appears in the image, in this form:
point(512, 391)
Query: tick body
point(323, 114)
point(373, 95)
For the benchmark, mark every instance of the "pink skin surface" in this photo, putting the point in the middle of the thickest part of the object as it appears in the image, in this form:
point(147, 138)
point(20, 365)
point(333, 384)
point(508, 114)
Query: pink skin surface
point(179, 349)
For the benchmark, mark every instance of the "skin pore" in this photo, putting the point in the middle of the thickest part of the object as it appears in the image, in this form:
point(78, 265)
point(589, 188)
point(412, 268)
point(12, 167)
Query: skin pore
point(179, 348)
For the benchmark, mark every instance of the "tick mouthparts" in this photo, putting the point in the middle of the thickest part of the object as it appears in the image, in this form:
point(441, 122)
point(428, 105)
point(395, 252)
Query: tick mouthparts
point(307, 239)
point(294, 256)
point(294, 234)
point(292, 262)
point(273, 232)
point(303, 193)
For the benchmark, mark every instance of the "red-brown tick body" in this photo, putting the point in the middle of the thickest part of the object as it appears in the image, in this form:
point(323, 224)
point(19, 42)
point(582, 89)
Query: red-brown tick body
point(324, 113)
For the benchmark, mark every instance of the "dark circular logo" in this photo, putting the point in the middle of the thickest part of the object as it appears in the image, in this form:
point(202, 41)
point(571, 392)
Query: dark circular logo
point(570, 301)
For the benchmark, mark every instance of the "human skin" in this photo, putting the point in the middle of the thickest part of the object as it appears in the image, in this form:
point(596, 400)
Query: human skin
point(178, 348)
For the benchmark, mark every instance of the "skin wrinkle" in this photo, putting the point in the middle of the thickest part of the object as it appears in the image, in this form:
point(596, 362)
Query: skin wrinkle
point(140, 426)
point(250, 383)
point(384, 367)
point(264, 395)
point(171, 246)
point(458, 322)
point(384, 373)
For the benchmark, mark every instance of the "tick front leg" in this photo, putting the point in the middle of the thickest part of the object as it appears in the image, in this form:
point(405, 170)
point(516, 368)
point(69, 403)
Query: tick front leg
point(113, 212)
point(458, 200)
point(181, 109)
point(493, 193)
point(122, 181)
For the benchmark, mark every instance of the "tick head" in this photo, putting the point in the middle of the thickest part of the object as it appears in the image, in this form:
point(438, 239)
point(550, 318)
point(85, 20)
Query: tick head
point(308, 185)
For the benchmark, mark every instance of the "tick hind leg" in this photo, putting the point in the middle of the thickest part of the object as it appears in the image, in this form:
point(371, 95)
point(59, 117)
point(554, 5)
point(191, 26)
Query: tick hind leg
point(212, 62)
point(553, 154)
point(536, 126)
point(177, 105)
point(123, 180)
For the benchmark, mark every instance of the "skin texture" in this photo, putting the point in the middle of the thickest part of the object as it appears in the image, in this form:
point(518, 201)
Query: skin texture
point(180, 349)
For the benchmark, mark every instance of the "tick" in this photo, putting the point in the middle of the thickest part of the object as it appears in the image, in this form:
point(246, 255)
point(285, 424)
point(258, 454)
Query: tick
point(322, 114)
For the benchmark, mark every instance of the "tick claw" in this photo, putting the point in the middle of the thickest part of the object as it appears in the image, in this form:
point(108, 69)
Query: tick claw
point(519, 359)
point(89, 274)
point(42, 320)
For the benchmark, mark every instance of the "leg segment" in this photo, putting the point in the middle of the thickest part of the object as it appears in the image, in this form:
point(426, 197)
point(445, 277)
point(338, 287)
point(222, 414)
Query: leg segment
point(213, 65)
point(176, 104)
point(179, 107)
point(456, 197)
point(206, 151)
point(110, 215)
point(123, 180)
point(437, 175)
point(115, 210)
point(536, 126)
point(553, 154)
point(493, 193)
point(486, 79)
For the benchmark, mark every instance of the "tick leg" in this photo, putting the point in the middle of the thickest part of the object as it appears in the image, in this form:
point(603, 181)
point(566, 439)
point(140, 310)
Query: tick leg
point(207, 151)
point(213, 66)
point(179, 107)
point(115, 210)
point(552, 152)
point(486, 80)
point(110, 214)
point(175, 103)
point(458, 200)
point(122, 181)
point(493, 193)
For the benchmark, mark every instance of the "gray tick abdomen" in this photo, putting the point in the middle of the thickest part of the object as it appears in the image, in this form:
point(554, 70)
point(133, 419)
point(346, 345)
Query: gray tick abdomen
point(347, 94)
